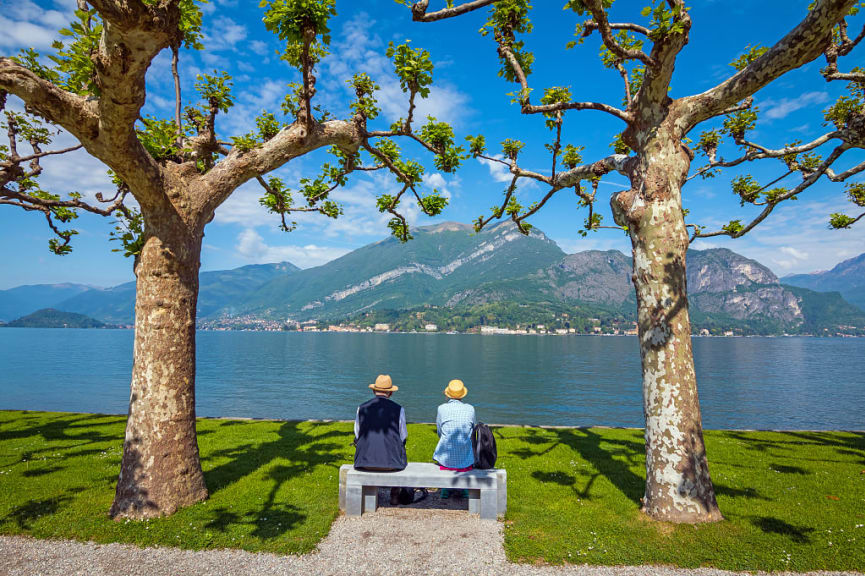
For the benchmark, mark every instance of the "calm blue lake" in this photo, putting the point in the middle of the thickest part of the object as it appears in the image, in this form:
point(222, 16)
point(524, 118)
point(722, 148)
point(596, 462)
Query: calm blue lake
point(569, 380)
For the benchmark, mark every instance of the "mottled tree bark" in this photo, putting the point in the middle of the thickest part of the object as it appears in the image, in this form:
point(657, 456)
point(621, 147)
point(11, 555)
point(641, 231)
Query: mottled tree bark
point(160, 471)
point(678, 485)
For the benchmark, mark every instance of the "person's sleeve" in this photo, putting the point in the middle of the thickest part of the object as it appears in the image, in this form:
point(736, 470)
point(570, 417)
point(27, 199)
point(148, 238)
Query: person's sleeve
point(357, 424)
point(474, 418)
point(403, 430)
point(439, 421)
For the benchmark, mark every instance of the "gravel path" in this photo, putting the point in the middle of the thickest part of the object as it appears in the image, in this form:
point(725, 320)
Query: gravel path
point(394, 541)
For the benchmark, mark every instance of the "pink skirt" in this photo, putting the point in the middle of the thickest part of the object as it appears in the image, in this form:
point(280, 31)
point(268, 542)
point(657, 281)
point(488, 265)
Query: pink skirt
point(455, 469)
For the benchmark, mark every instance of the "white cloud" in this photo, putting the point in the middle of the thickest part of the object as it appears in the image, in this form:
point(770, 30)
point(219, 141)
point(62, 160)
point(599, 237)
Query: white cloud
point(223, 34)
point(498, 171)
point(778, 109)
point(436, 181)
point(18, 35)
point(27, 25)
point(259, 47)
point(254, 250)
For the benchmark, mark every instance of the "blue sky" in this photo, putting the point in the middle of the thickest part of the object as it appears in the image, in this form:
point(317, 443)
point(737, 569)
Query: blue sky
point(468, 93)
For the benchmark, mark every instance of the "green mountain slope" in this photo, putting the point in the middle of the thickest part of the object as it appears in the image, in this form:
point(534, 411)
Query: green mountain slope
point(442, 264)
point(51, 318)
point(824, 311)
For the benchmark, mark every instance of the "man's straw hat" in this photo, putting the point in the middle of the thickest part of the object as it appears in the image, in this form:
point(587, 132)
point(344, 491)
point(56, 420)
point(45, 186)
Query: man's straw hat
point(383, 384)
point(456, 389)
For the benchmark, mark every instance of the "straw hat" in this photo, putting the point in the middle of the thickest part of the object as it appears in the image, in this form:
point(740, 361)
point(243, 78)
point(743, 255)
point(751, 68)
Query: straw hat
point(383, 384)
point(456, 389)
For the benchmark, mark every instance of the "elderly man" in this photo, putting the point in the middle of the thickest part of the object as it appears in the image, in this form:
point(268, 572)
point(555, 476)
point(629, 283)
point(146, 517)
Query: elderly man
point(455, 422)
point(380, 432)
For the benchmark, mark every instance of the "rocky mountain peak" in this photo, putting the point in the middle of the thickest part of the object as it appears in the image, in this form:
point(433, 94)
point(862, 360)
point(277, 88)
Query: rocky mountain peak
point(722, 270)
point(445, 227)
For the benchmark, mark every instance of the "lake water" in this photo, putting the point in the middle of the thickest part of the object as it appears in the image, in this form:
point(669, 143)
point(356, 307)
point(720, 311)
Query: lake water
point(789, 383)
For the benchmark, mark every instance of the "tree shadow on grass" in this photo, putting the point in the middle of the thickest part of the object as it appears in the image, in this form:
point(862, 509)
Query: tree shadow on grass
point(60, 437)
point(25, 515)
point(787, 469)
point(613, 461)
point(849, 444)
point(749, 493)
point(558, 477)
point(769, 525)
point(78, 428)
point(301, 451)
point(37, 472)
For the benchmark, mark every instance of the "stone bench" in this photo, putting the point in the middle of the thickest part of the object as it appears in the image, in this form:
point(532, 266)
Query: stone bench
point(488, 493)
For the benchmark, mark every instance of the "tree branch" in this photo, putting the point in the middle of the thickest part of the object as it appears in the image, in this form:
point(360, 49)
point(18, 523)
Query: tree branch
point(605, 28)
point(419, 13)
point(239, 167)
point(31, 202)
point(590, 26)
point(561, 106)
point(178, 122)
point(528, 108)
point(758, 152)
point(800, 46)
point(74, 113)
point(770, 205)
point(613, 163)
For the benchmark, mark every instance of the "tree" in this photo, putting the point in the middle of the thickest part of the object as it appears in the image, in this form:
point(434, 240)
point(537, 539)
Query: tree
point(653, 153)
point(179, 171)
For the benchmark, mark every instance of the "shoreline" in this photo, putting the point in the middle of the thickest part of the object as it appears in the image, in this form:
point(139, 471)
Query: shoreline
point(492, 424)
point(442, 333)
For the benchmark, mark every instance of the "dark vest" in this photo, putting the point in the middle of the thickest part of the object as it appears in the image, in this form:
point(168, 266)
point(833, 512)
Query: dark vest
point(378, 442)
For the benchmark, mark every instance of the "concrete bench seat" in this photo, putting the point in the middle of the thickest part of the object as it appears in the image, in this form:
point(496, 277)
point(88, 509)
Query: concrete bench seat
point(488, 493)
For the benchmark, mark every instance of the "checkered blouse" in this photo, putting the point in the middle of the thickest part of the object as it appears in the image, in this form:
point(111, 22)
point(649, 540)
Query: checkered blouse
point(454, 423)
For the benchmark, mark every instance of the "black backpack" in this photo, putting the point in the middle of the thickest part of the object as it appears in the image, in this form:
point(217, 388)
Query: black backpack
point(484, 447)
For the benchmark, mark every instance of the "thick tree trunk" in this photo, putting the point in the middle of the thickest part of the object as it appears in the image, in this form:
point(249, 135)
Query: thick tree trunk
point(160, 471)
point(678, 485)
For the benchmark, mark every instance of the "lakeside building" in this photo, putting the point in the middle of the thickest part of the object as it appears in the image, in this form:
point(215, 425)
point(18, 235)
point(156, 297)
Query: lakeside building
point(497, 330)
point(382, 327)
point(431, 328)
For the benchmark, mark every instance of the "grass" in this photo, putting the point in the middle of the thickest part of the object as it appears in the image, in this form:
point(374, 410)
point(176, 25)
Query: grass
point(792, 501)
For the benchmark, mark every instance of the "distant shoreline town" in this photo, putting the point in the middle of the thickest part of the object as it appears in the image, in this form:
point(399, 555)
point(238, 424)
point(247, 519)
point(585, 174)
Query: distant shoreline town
point(598, 328)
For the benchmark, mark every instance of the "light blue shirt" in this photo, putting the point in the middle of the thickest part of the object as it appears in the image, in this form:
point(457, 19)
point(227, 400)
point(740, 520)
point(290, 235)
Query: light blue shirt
point(454, 424)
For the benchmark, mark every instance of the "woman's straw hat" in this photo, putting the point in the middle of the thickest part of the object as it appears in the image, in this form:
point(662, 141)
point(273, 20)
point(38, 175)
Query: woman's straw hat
point(383, 384)
point(456, 389)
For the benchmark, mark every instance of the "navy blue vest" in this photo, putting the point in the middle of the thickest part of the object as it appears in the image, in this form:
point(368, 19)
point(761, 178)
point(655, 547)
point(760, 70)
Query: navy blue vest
point(378, 442)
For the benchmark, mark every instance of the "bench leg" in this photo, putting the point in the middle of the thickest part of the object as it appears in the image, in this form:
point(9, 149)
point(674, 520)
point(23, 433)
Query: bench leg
point(370, 498)
point(353, 500)
point(502, 487)
point(343, 480)
point(489, 504)
point(474, 501)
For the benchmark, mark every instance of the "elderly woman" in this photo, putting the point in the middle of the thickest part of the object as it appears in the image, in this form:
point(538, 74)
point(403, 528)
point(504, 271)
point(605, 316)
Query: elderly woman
point(454, 423)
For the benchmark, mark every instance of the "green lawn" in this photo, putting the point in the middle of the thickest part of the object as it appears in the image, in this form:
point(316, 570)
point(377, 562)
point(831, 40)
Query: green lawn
point(792, 500)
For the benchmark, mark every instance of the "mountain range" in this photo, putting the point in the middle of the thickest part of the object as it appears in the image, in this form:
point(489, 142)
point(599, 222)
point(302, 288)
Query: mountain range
point(847, 278)
point(449, 267)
